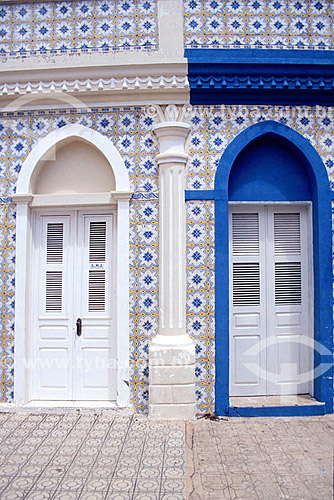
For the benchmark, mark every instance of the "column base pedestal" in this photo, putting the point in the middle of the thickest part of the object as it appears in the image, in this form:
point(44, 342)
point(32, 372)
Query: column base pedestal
point(172, 377)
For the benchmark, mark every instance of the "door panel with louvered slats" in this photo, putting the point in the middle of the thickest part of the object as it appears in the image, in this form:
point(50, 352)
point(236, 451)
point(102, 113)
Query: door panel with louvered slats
point(246, 304)
point(269, 303)
point(52, 342)
point(288, 300)
point(97, 344)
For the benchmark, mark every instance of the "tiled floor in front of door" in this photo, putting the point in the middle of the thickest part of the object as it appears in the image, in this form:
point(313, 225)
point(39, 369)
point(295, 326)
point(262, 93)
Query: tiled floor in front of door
point(87, 456)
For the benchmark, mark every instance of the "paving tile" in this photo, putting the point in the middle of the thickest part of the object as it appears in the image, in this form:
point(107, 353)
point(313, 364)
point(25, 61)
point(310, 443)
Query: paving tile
point(47, 483)
point(120, 484)
point(125, 472)
point(54, 471)
point(175, 484)
point(150, 472)
point(72, 483)
point(173, 472)
point(151, 462)
point(172, 496)
point(44, 494)
point(241, 494)
point(148, 485)
point(96, 484)
point(104, 461)
point(174, 461)
point(83, 461)
point(4, 482)
point(66, 495)
point(153, 495)
point(9, 470)
point(91, 495)
point(117, 495)
point(128, 462)
point(221, 495)
point(78, 472)
point(22, 483)
point(12, 494)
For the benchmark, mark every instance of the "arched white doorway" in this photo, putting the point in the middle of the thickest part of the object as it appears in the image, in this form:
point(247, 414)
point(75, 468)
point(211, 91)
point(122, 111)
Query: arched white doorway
point(76, 176)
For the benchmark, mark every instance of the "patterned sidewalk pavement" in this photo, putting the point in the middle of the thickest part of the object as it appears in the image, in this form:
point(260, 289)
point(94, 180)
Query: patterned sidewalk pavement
point(262, 458)
point(115, 455)
point(93, 457)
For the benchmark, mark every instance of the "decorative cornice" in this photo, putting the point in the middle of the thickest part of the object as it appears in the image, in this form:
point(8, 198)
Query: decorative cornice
point(259, 76)
point(22, 198)
point(159, 83)
point(122, 195)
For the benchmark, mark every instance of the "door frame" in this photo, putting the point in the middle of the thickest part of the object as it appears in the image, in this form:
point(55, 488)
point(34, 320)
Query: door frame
point(34, 304)
point(307, 205)
point(322, 269)
point(26, 200)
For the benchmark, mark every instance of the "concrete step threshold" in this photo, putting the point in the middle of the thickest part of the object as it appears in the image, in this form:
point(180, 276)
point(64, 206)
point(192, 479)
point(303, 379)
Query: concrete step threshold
point(64, 407)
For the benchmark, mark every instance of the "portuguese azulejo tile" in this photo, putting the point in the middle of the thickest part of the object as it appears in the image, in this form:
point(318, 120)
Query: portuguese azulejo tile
point(200, 298)
point(258, 23)
point(68, 26)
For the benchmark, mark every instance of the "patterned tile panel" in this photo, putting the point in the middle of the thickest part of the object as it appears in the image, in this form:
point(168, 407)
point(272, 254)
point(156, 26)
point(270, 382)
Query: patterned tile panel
point(213, 128)
point(201, 298)
point(68, 26)
point(7, 291)
point(299, 24)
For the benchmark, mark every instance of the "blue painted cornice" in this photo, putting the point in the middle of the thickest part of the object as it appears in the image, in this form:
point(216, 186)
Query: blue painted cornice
point(258, 76)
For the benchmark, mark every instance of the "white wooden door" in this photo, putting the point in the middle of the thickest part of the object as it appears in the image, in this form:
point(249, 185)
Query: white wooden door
point(269, 300)
point(73, 348)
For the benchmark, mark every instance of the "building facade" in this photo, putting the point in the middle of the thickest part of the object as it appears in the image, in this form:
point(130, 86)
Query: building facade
point(166, 205)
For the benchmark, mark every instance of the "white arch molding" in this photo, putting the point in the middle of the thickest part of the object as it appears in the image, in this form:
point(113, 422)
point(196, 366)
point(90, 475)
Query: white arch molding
point(26, 200)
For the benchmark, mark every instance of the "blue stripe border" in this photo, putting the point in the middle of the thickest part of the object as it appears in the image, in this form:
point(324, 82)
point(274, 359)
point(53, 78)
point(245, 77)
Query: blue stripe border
point(277, 411)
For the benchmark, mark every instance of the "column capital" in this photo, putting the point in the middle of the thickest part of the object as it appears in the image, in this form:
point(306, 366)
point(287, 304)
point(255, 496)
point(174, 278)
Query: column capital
point(169, 113)
point(171, 131)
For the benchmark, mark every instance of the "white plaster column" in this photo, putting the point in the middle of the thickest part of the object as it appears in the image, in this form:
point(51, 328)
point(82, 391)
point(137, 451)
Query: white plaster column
point(122, 313)
point(172, 352)
point(21, 296)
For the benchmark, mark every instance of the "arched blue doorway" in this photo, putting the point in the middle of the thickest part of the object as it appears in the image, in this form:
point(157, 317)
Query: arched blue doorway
point(308, 180)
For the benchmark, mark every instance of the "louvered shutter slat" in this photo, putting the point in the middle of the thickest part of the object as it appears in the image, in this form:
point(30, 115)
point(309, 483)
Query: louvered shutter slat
point(96, 291)
point(287, 234)
point(54, 291)
point(245, 234)
point(288, 283)
point(246, 284)
point(97, 242)
point(54, 243)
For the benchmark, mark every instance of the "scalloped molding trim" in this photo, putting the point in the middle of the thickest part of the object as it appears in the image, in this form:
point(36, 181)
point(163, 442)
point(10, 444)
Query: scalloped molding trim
point(113, 84)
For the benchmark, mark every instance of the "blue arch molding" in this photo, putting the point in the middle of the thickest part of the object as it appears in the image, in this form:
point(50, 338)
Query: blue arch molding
point(257, 76)
point(321, 197)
